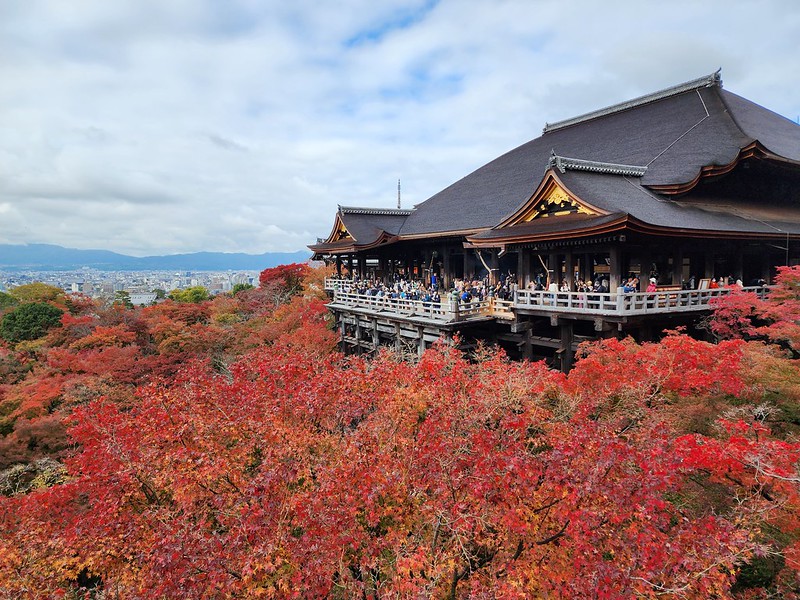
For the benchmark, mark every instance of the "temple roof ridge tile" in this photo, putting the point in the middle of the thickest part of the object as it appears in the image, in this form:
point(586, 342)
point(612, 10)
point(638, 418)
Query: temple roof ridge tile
point(361, 210)
point(562, 163)
point(714, 79)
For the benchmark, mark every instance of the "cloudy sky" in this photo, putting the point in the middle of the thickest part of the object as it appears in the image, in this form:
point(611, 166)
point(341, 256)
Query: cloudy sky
point(165, 126)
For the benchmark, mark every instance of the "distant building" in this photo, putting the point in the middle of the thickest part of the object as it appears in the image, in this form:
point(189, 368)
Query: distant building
point(138, 299)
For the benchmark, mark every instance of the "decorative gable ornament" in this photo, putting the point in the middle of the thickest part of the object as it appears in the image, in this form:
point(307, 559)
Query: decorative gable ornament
point(551, 199)
point(341, 233)
point(556, 203)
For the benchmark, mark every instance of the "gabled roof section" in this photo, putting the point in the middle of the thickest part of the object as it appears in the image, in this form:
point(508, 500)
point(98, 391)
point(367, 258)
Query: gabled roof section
point(360, 228)
point(551, 200)
point(715, 79)
point(339, 231)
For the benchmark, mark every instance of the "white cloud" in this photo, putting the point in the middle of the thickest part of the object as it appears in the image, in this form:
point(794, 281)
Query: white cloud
point(152, 127)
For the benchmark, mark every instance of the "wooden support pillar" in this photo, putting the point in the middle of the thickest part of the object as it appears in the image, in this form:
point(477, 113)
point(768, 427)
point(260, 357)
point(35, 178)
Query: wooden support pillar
point(494, 270)
point(644, 268)
point(383, 269)
point(398, 344)
point(677, 266)
point(338, 266)
point(523, 267)
point(447, 278)
point(358, 335)
point(708, 264)
point(553, 268)
point(466, 264)
point(565, 347)
point(376, 339)
point(342, 333)
point(421, 341)
point(527, 353)
point(362, 266)
point(738, 262)
point(587, 267)
point(766, 270)
point(569, 270)
point(615, 270)
point(350, 266)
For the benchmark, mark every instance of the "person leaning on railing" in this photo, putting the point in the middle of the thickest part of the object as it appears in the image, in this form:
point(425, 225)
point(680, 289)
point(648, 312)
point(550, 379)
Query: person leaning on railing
point(652, 288)
point(630, 286)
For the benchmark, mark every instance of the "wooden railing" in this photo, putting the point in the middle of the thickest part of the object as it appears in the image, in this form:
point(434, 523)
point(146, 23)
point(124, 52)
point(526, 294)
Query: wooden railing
point(338, 283)
point(623, 304)
point(586, 303)
point(445, 311)
point(503, 309)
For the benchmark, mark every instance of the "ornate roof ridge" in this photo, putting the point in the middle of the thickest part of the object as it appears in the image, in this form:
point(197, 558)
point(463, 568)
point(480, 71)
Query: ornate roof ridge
point(715, 79)
point(562, 163)
point(358, 210)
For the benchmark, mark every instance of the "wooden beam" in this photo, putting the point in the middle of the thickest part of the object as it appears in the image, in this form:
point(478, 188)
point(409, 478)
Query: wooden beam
point(520, 326)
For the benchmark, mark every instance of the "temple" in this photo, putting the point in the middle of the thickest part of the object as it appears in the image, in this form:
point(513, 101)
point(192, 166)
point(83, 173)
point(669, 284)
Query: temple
point(683, 190)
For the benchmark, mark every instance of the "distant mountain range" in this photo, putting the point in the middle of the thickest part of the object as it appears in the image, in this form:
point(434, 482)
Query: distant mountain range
point(47, 257)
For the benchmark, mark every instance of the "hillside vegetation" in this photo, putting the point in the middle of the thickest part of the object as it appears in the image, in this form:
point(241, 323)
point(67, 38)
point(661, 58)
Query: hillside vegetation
point(224, 449)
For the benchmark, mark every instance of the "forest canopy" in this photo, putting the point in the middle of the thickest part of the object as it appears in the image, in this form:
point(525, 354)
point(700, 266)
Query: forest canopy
point(222, 448)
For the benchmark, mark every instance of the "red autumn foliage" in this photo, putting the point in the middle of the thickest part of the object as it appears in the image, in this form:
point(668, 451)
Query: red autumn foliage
point(300, 477)
point(106, 351)
point(284, 281)
point(776, 318)
point(290, 276)
point(262, 464)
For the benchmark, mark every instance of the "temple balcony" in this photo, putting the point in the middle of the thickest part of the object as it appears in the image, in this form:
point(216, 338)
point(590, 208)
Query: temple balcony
point(528, 302)
point(443, 312)
point(621, 304)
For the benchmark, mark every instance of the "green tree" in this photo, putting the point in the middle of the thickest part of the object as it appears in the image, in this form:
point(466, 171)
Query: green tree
point(7, 301)
point(160, 293)
point(124, 298)
point(37, 292)
point(192, 295)
point(239, 287)
point(29, 321)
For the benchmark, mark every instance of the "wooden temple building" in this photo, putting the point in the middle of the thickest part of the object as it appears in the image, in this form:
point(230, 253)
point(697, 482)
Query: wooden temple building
point(685, 185)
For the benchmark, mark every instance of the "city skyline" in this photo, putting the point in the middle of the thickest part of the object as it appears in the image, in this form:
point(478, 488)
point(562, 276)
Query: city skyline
point(151, 128)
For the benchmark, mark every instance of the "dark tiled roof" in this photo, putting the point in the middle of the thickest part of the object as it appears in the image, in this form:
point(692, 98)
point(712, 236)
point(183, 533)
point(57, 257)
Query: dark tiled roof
point(668, 137)
point(366, 226)
point(707, 81)
point(674, 137)
point(778, 134)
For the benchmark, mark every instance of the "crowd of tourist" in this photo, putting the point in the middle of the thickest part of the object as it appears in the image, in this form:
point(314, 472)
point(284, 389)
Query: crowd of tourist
point(598, 286)
point(462, 291)
point(465, 291)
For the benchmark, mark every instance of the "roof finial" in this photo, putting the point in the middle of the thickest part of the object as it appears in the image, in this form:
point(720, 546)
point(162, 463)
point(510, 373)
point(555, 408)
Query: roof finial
point(398, 193)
